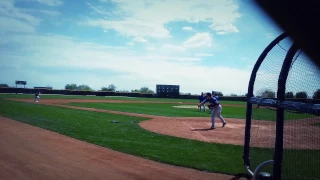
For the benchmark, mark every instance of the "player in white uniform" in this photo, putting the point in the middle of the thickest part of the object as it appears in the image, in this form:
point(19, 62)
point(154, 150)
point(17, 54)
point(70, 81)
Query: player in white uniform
point(37, 97)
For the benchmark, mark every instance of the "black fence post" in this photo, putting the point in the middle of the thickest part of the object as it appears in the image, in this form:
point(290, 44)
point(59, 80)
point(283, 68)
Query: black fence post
point(246, 153)
point(278, 151)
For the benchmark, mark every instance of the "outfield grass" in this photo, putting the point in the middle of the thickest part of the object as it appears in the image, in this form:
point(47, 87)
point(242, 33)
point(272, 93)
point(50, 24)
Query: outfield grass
point(44, 96)
point(161, 109)
point(128, 137)
point(169, 111)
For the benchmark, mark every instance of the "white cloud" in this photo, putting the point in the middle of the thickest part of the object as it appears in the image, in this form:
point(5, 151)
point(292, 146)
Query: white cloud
point(246, 59)
point(169, 58)
point(150, 48)
point(51, 2)
point(203, 55)
point(187, 28)
point(269, 35)
point(174, 48)
point(130, 43)
point(13, 25)
point(145, 17)
point(98, 9)
point(132, 27)
point(47, 12)
point(7, 9)
point(223, 28)
point(132, 69)
point(13, 19)
point(140, 40)
point(199, 40)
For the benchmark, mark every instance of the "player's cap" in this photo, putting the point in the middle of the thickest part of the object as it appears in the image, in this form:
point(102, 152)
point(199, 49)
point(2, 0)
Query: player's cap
point(208, 94)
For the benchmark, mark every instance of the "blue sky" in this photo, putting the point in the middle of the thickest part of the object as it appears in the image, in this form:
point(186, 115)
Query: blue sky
point(200, 45)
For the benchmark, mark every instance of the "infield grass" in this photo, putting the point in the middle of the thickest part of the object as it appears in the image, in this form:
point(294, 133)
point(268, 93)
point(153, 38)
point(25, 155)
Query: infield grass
point(128, 137)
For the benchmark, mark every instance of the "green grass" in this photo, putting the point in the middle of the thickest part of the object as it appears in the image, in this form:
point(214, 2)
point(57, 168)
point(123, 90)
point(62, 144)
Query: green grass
point(297, 164)
point(301, 164)
point(161, 109)
point(169, 111)
point(44, 96)
point(127, 136)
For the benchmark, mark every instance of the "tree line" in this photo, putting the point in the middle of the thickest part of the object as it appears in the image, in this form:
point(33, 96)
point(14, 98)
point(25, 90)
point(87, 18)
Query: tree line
point(301, 94)
point(111, 87)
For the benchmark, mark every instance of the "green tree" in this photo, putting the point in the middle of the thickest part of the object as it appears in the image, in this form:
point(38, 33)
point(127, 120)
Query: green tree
point(71, 87)
point(217, 92)
point(4, 85)
point(232, 94)
point(289, 95)
point(145, 90)
point(268, 94)
point(135, 90)
point(111, 87)
point(301, 95)
point(84, 87)
point(316, 94)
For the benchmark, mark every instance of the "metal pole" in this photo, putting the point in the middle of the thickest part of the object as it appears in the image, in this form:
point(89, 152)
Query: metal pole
point(278, 153)
point(246, 153)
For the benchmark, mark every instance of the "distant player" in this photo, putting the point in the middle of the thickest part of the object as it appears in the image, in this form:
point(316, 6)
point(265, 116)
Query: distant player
point(37, 97)
point(217, 108)
point(202, 98)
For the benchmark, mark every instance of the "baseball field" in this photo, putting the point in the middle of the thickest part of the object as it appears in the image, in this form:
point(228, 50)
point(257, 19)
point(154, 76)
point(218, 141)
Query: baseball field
point(141, 138)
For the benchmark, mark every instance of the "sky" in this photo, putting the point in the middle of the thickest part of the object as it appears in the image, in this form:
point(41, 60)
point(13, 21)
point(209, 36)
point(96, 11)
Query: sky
point(203, 45)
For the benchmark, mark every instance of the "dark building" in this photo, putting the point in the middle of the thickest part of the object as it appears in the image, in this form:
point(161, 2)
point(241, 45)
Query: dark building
point(170, 91)
point(43, 88)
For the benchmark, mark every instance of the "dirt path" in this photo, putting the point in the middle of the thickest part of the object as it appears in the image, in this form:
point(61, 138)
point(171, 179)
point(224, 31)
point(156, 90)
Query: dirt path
point(28, 152)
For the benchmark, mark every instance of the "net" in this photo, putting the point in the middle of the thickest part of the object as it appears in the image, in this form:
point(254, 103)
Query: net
point(301, 155)
point(263, 124)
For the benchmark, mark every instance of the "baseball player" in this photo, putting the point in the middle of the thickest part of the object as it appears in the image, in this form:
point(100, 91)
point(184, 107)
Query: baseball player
point(209, 106)
point(216, 96)
point(202, 98)
point(37, 97)
point(216, 107)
